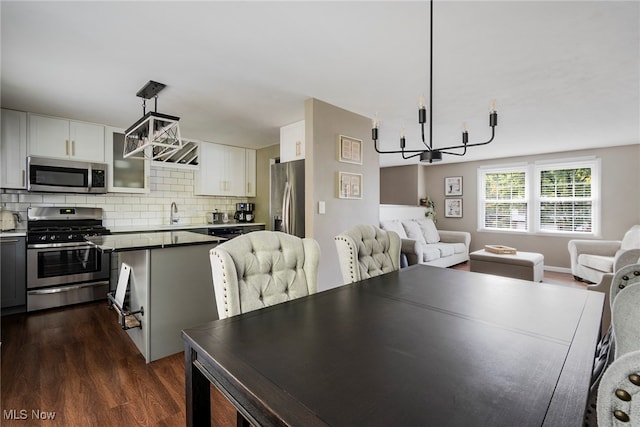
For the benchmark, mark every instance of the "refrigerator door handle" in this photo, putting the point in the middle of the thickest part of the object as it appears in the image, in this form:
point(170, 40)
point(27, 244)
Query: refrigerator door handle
point(286, 208)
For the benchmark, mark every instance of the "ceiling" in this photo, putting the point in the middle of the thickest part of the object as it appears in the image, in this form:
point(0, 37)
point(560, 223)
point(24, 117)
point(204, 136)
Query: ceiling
point(565, 74)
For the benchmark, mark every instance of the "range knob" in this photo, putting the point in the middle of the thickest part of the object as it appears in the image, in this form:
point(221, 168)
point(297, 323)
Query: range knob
point(52, 237)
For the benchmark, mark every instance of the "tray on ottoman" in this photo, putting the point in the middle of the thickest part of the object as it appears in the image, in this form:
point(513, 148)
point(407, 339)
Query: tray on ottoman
point(500, 249)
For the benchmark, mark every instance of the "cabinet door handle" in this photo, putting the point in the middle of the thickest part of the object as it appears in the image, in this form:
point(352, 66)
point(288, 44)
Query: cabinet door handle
point(298, 151)
point(66, 147)
point(8, 241)
point(73, 148)
point(24, 177)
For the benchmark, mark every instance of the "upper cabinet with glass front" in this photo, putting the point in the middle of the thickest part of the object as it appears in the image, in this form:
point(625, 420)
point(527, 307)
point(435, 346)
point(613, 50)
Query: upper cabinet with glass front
point(128, 175)
point(65, 139)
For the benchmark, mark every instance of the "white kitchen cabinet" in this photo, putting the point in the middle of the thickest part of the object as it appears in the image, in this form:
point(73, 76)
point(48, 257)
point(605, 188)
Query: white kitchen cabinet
point(292, 142)
point(250, 172)
point(13, 149)
point(124, 175)
point(222, 171)
point(65, 139)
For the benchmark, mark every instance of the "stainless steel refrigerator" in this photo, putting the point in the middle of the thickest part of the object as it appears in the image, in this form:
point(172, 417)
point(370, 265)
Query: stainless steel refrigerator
point(287, 197)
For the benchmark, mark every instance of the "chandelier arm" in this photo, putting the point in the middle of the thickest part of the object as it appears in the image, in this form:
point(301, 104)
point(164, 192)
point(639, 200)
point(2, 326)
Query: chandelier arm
point(419, 152)
point(375, 146)
point(423, 140)
point(475, 144)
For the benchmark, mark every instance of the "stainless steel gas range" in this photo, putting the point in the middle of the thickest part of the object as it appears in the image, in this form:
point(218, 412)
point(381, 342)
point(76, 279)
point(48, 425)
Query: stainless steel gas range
point(62, 268)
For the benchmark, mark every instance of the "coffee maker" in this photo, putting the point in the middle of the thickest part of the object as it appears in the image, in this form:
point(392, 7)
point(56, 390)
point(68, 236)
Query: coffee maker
point(244, 212)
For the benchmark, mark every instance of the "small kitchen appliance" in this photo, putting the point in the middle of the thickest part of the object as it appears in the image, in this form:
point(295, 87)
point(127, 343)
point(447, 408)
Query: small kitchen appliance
point(215, 217)
point(244, 212)
point(7, 221)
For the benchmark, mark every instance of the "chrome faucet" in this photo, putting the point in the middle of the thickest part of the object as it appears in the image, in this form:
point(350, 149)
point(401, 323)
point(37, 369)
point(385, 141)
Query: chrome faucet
point(173, 218)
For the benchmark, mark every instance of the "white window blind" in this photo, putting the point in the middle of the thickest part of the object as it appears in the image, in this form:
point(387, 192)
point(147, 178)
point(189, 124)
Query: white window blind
point(566, 198)
point(504, 200)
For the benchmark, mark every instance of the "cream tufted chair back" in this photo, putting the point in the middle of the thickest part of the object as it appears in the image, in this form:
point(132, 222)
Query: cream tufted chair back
point(262, 268)
point(365, 251)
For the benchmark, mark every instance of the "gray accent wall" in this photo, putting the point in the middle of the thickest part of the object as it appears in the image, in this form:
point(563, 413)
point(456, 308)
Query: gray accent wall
point(263, 170)
point(620, 197)
point(324, 123)
point(402, 185)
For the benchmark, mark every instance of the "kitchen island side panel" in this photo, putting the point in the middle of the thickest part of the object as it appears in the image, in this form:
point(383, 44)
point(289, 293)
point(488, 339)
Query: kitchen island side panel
point(181, 296)
point(139, 296)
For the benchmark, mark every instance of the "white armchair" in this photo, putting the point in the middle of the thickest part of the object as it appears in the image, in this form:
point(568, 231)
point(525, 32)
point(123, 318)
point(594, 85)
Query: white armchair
point(592, 259)
point(262, 268)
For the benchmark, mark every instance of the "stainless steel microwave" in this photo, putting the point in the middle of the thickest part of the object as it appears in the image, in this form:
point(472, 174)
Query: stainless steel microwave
point(65, 176)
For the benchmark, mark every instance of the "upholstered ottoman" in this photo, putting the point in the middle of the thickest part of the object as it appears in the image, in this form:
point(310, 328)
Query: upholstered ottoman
point(521, 265)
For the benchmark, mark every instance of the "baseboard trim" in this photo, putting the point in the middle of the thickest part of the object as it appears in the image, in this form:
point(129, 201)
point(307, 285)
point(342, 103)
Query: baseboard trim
point(557, 269)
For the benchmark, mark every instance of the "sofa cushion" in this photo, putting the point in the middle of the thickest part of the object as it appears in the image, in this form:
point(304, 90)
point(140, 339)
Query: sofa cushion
point(445, 249)
point(429, 230)
point(459, 248)
point(430, 252)
point(596, 262)
point(413, 231)
point(394, 225)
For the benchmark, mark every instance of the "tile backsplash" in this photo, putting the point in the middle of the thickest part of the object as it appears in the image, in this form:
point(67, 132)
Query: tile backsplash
point(126, 210)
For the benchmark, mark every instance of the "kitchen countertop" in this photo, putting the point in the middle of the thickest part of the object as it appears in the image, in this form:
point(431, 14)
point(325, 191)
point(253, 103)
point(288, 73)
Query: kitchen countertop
point(150, 240)
point(178, 227)
point(14, 233)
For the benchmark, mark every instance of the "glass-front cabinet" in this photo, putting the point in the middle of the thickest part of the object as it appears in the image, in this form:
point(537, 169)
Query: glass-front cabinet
point(129, 175)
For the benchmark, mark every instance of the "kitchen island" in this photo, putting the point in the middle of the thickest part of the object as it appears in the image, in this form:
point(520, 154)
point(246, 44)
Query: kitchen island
point(170, 283)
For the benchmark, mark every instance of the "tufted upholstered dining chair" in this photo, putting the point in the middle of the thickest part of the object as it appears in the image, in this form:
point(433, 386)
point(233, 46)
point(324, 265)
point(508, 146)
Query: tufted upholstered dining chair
point(618, 401)
point(607, 350)
point(262, 268)
point(619, 392)
point(625, 321)
point(365, 251)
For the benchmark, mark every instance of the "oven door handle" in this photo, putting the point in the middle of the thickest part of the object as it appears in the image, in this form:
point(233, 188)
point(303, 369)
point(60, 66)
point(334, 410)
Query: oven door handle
point(65, 288)
point(55, 246)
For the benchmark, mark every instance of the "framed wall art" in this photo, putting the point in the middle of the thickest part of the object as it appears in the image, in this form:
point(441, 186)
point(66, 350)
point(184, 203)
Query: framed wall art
point(453, 186)
point(349, 185)
point(349, 149)
point(453, 208)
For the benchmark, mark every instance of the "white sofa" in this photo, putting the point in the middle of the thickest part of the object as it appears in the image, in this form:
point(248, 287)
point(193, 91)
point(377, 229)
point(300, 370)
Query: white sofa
point(421, 241)
point(592, 259)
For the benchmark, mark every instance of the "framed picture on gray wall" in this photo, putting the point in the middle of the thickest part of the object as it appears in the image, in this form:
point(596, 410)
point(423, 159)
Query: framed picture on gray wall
point(349, 185)
point(349, 149)
point(453, 208)
point(453, 186)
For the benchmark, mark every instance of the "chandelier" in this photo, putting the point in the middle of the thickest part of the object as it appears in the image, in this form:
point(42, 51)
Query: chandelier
point(430, 154)
point(157, 130)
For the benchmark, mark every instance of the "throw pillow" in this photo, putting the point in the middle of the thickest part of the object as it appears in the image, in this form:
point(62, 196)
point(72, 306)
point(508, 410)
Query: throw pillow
point(393, 225)
point(429, 230)
point(413, 231)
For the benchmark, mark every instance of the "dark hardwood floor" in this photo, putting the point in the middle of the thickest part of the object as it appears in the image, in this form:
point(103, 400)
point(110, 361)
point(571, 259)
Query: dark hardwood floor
point(77, 363)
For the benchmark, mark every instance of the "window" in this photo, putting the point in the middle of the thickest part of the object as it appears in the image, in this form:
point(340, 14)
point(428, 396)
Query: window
point(504, 199)
point(567, 197)
point(564, 197)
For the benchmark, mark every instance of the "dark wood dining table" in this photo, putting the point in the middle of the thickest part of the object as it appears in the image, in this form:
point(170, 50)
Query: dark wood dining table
point(423, 346)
